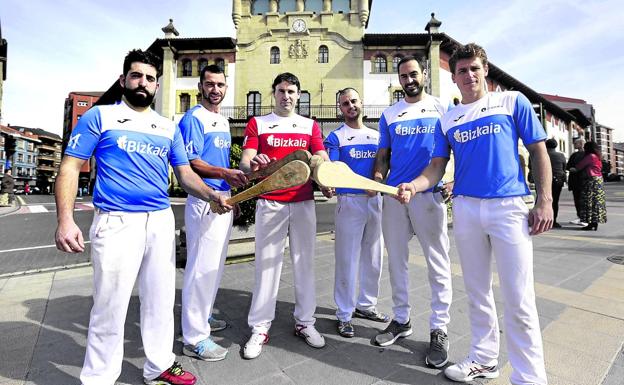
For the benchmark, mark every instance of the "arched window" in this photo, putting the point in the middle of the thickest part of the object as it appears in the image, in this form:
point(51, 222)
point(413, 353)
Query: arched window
point(314, 6)
point(201, 63)
point(259, 7)
point(381, 65)
point(187, 67)
point(340, 6)
point(220, 63)
point(395, 63)
point(275, 55)
point(303, 105)
point(185, 102)
point(397, 96)
point(323, 54)
point(253, 103)
point(287, 6)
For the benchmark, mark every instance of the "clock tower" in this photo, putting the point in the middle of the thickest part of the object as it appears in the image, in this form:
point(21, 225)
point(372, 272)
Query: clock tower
point(320, 41)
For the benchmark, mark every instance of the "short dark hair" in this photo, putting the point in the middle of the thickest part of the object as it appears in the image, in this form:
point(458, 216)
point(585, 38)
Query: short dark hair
point(147, 57)
point(468, 51)
point(592, 148)
point(551, 143)
point(286, 77)
point(347, 89)
point(405, 59)
point(213, 69)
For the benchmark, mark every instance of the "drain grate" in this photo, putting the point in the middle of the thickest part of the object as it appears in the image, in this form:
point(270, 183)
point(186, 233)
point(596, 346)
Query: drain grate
point(619, 259)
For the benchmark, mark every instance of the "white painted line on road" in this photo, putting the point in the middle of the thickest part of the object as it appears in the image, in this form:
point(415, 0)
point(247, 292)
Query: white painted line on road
point(37, 209)
point(31, 248)
point(21, 200)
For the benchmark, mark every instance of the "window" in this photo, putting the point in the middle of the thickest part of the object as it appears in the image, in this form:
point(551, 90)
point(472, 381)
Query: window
point(187, 67)
point(31, 147)
point(341, 6)
point(28, 158)
point(220, 63)
point(20, 158)
point(395, 63)
point(287, 6)
point(253, 103)
point(185, 102)
point(82, 103)
point(397, 95)
point(275, 55)
point(303, 105)
point(259, 7)
point(201, 63)
point(381, 65)
point(314, 6)
point(323, 54)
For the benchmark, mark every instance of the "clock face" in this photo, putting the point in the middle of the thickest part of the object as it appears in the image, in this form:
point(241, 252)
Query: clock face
point(299, 25)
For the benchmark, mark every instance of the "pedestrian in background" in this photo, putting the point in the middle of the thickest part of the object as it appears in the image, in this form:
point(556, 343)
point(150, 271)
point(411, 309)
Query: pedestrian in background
point(6, 189)
point(558, 164)
point(575, 179)
point(593, 203)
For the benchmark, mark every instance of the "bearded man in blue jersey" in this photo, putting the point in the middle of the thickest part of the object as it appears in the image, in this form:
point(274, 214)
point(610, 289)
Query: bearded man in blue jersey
point(133, 230)
point(406, 132)
point(207, 140)
point(490, 216)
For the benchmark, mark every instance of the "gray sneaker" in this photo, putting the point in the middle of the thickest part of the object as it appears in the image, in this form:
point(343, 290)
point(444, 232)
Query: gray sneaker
point(393, 332)
point(372, 314)
point(216, 324)
point(437, 356)
point(206, 350)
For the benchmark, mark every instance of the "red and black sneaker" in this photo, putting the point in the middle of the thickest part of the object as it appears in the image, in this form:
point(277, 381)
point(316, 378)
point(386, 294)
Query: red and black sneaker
point(175, 375)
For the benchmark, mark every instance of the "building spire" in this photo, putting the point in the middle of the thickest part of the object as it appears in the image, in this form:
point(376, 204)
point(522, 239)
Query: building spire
point(433, 25)
point(170, 30)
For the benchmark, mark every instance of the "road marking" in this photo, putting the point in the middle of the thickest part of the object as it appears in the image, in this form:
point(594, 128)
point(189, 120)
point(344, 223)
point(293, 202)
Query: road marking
point(21, 200)
point(37, 209)
point(32, 248)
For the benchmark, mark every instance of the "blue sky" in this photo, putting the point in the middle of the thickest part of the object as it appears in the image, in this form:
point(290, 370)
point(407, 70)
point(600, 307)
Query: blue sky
point(571, 48)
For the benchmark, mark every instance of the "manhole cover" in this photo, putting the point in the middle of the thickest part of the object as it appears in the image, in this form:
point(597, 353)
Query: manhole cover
point(619, 259)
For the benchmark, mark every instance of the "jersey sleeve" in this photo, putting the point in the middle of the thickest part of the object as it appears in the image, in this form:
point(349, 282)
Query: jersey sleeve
point(316, 142)
point(177, 155)
point(192, 131)
point(528, 126)
point(441, 146)
point(333, 147)
point(86, 135)
point(384, 134)
point(251, 135)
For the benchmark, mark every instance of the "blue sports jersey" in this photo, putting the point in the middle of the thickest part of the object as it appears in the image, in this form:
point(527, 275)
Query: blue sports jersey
point(132, 152)
point(355, 147)
point(407, 129)
point(207, 136)
point(484, 138)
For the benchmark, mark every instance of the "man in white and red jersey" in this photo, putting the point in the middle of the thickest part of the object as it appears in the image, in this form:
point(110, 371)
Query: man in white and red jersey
point(281, 213)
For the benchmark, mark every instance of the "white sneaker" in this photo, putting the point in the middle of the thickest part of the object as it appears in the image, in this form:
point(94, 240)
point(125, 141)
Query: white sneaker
point(577, 221)
point(468, 370)
point(253, 347)
point(311, 335)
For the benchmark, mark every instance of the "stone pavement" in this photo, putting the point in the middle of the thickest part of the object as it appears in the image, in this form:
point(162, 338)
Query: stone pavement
point(580, 294)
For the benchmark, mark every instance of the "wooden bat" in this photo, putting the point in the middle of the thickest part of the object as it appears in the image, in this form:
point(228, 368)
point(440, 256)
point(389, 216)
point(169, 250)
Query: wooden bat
point(293, 173)
point(302, 155)
point(338, 174)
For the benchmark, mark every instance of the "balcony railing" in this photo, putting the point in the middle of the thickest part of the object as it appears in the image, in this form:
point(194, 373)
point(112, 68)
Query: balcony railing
point(314, 111)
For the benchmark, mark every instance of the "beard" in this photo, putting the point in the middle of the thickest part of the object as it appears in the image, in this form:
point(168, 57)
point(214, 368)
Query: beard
point(414, 92)
point(136, 99)
point(206, 97)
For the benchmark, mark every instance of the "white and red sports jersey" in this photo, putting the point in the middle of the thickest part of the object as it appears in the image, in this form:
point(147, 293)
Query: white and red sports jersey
point(277, 137)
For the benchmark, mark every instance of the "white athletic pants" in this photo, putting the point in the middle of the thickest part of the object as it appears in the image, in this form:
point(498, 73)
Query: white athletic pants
point(207, 238)
point(274, 221)
point(358, 247)
point(126, 246)
point(499, 227)
point(424, 215)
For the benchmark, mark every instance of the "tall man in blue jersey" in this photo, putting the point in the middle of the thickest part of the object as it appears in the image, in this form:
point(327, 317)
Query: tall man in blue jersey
point(359, 244)
point(133, 230)
point(207, 139)
point(406, 142)
point(490, 217)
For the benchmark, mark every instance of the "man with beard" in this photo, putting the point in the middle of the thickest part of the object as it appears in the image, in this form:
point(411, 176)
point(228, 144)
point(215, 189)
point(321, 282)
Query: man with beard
point(490, 217)
point(288, 212)
point(207, 140)
point(359, 244)
point(406, 142)
point(133, 230)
